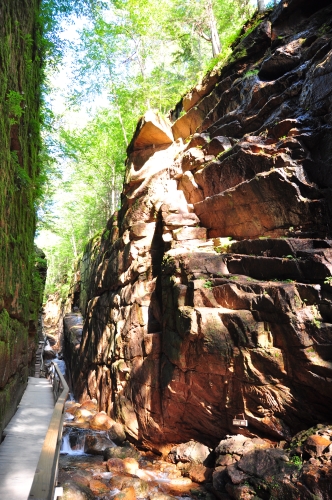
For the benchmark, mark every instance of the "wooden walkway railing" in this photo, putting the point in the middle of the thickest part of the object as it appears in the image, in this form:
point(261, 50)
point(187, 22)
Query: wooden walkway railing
point(43, 486)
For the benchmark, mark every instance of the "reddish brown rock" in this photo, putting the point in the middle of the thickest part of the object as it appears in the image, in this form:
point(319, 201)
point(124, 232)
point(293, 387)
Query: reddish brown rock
point(126, 494)
point(152, 129)
point(275, 203)
point(189, 233)
point(178, 220)
point(101, 422)
point(200, 474)
point(316, 445)
point(182, 335)
point(190, 188)
point(96, 443)
point(130, 465)
point(115, 465)
point(90, 405)
point(318, 479)
point(98, 487)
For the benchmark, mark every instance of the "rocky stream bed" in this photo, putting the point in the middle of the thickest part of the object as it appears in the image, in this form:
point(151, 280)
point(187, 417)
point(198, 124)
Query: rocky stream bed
point(97, 462)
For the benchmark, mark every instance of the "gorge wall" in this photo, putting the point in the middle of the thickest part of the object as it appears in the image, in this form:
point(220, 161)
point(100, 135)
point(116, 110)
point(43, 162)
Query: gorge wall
point(22, 268)
point(209, 293)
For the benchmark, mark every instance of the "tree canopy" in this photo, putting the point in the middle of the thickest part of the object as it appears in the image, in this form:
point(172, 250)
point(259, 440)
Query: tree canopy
point(129, 56)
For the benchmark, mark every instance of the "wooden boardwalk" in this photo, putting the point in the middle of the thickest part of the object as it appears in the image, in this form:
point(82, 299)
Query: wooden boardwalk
point(24, 438)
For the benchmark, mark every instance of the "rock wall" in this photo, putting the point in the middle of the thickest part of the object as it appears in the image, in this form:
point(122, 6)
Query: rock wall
point(22, 270)
point(209, 294)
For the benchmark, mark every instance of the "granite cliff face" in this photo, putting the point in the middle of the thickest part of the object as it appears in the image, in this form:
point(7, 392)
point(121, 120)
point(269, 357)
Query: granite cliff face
point(22, 268)
point(209, 294)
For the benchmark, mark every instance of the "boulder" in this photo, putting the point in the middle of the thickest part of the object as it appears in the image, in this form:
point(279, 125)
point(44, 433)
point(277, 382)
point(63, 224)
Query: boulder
point(126, 494)
point(90, 405)
point(316, 445)
point(238, 445)
point(192, 451)
point(117, 433)
point(101, 422)
point(96, 444)
point(121, 452)
point(115, 465)
point(140, 486)
point(98, 488)
point(198, 473)
point(73, 491)
point(130, 465)
point(83, 415)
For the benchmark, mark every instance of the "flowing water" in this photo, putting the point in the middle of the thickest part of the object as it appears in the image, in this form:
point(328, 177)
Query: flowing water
point(146, 476)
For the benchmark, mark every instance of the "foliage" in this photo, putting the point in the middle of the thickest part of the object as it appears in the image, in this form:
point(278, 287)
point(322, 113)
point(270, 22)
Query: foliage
point(208, 284)
point(14, 100)
point(136, 55)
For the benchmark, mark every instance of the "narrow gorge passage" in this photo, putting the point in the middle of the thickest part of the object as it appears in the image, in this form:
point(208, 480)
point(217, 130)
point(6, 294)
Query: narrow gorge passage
point(200, 319)
point(189, 287)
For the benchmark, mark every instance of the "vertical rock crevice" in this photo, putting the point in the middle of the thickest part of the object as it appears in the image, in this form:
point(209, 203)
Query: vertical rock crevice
point(208, 294)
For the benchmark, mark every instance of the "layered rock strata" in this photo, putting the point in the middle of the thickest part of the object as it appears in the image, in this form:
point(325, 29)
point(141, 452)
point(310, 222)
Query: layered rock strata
point(22, 269)
point(209, 293)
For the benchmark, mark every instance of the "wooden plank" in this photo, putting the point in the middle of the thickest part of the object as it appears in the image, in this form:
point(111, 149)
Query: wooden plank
point(46, 472)
point(24, 438)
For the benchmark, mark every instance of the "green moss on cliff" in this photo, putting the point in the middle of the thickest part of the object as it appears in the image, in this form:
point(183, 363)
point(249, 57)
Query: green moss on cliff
point(20, 280)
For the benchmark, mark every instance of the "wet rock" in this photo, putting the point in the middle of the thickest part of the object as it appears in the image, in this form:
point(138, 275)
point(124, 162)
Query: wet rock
point(49, 353)
point(83, 415)
point(160, 496)
point(90, 405)
point(126, 494)
point(71, 407)
point(115, 465)
point(98, 487)
point(121, 452)
point(73, 491)
point(96, 444)
point(130, 465)
point(101, 422)
point(140, 486)
point(81, 477)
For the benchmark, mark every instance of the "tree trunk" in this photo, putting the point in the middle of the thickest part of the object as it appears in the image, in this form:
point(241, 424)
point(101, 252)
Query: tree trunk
point(215, 40)
point(260, 5)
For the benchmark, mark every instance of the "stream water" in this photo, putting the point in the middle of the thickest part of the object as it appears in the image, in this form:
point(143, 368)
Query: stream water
point(92, 467)
point(137, 474)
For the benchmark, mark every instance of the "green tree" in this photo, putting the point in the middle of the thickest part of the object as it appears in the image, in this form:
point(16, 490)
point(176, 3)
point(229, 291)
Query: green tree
point(137, 54)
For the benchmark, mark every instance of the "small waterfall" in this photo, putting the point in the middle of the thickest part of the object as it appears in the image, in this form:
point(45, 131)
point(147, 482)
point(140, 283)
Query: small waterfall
point(73, 443)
